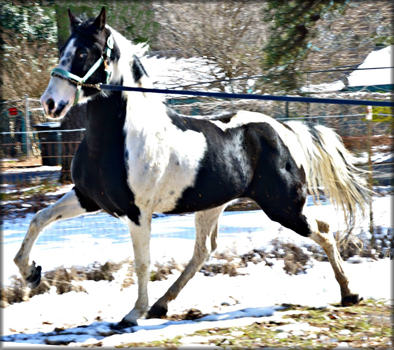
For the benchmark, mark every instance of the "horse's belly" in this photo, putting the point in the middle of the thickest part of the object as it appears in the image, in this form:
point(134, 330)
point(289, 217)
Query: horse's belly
point(161, 193)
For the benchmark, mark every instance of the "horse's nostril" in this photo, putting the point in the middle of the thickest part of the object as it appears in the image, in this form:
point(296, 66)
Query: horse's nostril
point(50, 104)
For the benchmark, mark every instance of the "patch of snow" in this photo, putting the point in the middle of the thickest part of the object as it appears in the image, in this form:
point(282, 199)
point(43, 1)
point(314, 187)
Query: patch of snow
point(36, 169)
point(379, 58)
point(368, 77)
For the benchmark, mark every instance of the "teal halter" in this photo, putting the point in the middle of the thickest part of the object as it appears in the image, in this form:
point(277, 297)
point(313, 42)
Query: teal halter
point(80, 82)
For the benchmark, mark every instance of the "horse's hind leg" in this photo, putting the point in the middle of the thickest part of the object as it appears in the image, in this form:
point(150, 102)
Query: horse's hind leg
point(321, 235)
point(68, 206)
point(292, 215)
point(206, 223)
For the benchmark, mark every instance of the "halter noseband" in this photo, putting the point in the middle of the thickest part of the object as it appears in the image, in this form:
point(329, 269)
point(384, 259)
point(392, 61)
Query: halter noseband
point(80, 82)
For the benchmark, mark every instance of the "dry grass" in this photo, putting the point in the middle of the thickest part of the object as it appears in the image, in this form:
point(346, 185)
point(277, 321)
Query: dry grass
point(164, 269)
point(62, 279)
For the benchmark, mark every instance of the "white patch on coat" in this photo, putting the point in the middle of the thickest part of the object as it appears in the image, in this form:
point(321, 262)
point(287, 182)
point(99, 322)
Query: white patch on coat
point(162, 159)
point(286, 135)
point(123, 68)
point(235, 157)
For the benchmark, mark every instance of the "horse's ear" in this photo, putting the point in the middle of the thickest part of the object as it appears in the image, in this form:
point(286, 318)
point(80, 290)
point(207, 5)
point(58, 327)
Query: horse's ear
point(100, 20)
point(72, 18)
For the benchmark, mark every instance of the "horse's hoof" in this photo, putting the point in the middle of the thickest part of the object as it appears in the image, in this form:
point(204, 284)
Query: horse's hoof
point(123, 324)
point(35, 278)
point(157, 311)
point(351, 299)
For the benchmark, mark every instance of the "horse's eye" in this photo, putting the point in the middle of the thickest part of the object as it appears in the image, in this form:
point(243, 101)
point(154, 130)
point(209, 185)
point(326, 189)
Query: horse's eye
point(82, 55)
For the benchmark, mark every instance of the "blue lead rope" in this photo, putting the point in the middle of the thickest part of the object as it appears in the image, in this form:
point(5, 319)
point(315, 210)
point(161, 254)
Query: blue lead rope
point(338, 101)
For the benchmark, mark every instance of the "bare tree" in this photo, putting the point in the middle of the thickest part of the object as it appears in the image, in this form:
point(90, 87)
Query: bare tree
point(228, 34)
point(25, 65)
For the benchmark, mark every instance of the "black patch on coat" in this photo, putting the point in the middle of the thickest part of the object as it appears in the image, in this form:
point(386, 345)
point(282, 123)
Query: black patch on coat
point(278, 186)
point(65, 61)
point(85, 202)
point(138, 69)
point(99, 165)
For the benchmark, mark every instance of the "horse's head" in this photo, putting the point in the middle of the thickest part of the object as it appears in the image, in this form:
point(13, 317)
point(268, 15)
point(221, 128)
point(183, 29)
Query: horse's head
point(86, 60)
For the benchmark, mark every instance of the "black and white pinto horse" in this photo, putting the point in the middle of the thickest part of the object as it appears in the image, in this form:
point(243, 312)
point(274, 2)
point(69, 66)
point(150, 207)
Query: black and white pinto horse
point(139, 157)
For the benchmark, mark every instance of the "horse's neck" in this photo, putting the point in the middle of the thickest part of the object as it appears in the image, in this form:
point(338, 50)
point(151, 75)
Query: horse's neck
point(104, 120)
point(145, 114)
point(120, 115)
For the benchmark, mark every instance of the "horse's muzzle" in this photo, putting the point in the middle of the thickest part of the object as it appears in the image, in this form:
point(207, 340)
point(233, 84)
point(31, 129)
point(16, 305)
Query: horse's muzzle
point(52, 109)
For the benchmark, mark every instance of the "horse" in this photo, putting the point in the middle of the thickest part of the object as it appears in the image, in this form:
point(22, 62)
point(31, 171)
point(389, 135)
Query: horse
point(139, 157)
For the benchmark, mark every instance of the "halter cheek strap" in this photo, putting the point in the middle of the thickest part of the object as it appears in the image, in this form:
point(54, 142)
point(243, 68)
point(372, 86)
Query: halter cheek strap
point(80, 82)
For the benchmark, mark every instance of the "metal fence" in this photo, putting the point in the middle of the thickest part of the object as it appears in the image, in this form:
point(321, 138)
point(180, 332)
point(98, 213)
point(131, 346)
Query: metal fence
point(27, 141)
point(17, 117)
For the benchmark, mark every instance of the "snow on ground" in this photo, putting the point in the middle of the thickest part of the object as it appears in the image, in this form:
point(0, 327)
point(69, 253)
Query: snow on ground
point(256, 294)
point(83, 240)
point(36, 169)
point(227, 300)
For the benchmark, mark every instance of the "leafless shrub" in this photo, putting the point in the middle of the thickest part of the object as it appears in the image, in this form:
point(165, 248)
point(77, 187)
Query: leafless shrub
point(226, 263)
point(164, 269)
point(294, 257)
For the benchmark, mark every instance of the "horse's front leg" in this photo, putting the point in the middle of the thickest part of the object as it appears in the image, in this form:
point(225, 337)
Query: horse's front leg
point(68, 206)
point(206, 233)
point(140, 236)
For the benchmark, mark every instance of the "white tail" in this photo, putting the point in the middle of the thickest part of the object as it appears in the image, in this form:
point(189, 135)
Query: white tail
point(329, 167)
